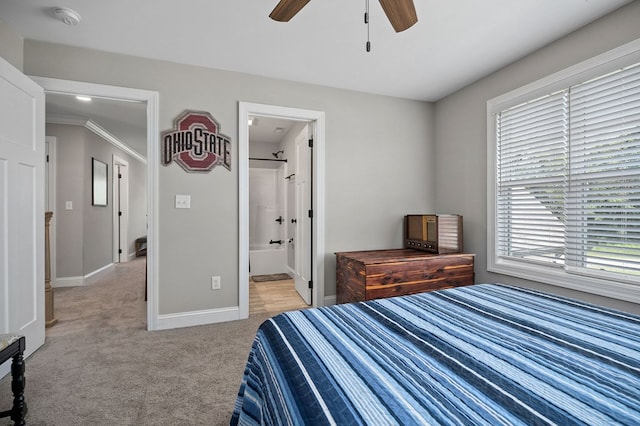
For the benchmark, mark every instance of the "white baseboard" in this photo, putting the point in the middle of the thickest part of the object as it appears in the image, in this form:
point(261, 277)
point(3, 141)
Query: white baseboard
point(68, 282)
point(209, 316)
point(90, 278)
point(194, 318)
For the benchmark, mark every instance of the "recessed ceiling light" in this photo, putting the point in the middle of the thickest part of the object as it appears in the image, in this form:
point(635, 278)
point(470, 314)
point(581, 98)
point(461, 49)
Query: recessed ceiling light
point(66, 15)
point(279, 129)
point(83, 98)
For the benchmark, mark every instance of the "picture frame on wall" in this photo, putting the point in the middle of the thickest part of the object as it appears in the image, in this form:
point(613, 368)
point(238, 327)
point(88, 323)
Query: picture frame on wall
point(98, 183)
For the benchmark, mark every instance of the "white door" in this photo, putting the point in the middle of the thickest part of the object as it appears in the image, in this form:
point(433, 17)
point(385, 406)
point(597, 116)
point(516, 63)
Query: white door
point(303, 224)
point(117, 247)
point(120, 210)
point(291, 225)
point(22, 165)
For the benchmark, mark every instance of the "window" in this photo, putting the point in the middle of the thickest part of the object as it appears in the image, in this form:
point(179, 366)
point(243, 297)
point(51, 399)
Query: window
point(564, 184)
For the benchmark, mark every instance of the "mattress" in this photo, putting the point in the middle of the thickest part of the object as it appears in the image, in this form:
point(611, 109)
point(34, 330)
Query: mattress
point(483, 354)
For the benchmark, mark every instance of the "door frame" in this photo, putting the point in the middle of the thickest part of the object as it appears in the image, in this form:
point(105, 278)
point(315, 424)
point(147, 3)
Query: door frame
point(316, 120)
point(51, 141)
point(69, 87)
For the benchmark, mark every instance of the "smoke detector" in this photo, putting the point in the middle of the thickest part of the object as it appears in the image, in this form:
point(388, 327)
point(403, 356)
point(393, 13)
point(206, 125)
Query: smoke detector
point(68, 16)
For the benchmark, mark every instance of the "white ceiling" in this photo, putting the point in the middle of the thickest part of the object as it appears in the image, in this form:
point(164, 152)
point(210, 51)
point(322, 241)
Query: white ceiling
point(454, 43)
point(269, 129)
point(126, 121)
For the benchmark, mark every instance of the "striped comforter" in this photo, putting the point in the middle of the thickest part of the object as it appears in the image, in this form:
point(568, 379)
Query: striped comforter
point(484, 354)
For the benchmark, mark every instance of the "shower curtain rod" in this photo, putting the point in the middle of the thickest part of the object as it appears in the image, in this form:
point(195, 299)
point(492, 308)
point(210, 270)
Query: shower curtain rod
point(268, 159)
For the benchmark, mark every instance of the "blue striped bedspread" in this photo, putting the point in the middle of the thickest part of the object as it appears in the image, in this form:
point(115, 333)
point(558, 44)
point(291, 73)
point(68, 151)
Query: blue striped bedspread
point(486, 354)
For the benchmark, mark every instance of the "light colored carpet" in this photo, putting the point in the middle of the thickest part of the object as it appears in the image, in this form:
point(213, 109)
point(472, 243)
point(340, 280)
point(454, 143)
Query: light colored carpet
point(99, 365)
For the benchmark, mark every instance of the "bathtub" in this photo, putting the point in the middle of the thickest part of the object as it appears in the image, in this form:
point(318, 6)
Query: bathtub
point(271, 259)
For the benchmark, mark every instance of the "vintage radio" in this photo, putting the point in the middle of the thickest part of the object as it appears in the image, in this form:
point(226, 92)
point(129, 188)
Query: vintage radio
point(434, 233)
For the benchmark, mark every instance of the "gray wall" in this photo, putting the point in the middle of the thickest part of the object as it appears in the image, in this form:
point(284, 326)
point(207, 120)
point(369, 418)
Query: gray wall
point(11, 45)
point(263, 150)
point(97, 224)
point(382, 155)
point(137, 201)
point(84, 241)
point(70, 175)
point(379, 165)
point(461, 129)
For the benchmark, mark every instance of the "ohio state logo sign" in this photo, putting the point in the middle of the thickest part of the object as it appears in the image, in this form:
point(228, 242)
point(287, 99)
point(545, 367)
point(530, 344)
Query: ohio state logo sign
point(195, 143)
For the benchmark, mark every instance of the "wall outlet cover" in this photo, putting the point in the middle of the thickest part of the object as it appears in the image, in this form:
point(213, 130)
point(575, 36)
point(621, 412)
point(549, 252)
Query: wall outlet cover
point(183, 201)
point(215, 283)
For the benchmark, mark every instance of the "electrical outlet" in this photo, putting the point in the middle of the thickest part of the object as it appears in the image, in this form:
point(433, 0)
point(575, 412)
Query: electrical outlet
point(215, 283)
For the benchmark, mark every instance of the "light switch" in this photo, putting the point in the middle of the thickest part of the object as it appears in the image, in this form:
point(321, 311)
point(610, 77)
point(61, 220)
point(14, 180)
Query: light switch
point(183, 201)
point(68, 205)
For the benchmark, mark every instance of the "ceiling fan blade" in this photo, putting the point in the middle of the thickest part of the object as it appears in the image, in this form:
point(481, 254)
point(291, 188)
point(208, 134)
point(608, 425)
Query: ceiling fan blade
point(287, 9)
point(401, 13)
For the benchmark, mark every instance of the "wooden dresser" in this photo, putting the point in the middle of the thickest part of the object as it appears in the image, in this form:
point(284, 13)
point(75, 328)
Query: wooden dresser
point(374, 274)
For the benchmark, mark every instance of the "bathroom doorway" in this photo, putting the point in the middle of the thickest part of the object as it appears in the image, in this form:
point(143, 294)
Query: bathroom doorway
point(291, 219)
point(278, 250)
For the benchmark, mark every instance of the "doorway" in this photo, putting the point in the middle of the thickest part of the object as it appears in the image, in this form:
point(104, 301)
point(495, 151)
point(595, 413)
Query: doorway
point(315, 120)
point(279, 241)
point(65, 87)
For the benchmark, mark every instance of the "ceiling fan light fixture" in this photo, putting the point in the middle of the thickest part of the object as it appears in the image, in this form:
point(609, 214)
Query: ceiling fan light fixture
point(67, 16)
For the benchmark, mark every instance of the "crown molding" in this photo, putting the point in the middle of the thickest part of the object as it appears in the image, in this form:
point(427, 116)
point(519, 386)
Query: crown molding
point(95, 128)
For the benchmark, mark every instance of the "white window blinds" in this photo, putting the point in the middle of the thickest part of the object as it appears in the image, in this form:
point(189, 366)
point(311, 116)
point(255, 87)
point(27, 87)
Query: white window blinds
point(568, 178)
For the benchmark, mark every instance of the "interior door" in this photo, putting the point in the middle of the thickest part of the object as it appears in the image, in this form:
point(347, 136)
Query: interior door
point(291, 225)
point(120, 210)
point(303, 221)
point(22, 165)
point(117, 215)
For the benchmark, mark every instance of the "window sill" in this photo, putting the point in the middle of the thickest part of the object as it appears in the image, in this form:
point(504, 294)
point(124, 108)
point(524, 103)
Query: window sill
point(560, 278)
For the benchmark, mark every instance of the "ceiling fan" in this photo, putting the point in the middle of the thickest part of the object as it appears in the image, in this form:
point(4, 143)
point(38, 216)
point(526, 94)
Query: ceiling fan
point(401, 13)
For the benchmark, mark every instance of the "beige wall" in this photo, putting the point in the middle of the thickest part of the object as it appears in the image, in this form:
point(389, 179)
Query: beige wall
point(461, 129)
point(379, 165)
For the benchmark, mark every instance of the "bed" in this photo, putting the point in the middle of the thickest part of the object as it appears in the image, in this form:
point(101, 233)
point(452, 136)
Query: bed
point(484, 354)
